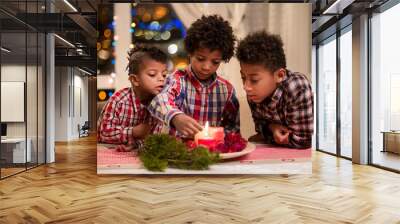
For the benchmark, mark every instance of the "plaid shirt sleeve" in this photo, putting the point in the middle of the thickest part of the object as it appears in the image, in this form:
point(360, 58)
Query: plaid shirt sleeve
point(231, 115)
point(300, 117)
point(163, 106)
point(111, 129)
point(261, 125)
point(156, 125)
point(257, 120)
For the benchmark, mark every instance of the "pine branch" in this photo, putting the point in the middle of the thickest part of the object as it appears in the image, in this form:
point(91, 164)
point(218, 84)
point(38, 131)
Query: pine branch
point(161, 151)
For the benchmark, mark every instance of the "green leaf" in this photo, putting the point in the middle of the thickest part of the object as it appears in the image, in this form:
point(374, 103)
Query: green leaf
point(161, 151)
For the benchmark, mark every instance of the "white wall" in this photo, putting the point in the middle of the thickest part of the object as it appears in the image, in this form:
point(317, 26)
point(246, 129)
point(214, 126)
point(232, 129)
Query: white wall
point(17, 73)
point(33, 127)
point(103, 81)
point(71, 102)
point(123, 22)
point(80, 109)
point(61, 103)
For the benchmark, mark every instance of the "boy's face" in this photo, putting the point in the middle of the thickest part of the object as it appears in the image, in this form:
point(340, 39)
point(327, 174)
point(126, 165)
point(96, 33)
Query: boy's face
point(151, 77)
point(205, 62)
point(259, 82)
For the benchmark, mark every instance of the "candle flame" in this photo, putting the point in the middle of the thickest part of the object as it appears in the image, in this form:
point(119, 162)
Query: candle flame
point(206, 129)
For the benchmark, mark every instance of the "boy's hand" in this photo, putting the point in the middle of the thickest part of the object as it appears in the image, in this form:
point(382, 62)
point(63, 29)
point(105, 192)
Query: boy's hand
point(280, 133)
point(186, 125)
point(141, 131)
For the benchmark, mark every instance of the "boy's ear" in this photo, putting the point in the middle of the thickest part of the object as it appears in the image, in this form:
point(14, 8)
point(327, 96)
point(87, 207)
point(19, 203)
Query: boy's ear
point(280, 75)
point(134, 80)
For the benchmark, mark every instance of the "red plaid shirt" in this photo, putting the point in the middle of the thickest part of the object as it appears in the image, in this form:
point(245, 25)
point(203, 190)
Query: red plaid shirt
point(122, 112)
point(290, 105)
point(213, 101)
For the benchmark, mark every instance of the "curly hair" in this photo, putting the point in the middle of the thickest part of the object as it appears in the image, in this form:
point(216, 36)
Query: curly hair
point(262, 48)
point(140, 52)
point(211, 32)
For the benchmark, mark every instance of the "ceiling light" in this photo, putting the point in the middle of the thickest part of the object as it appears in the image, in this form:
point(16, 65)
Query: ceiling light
point(84, 71)
point(337, 7)
point(70, 5)
point(5, 50)
point(65, 41)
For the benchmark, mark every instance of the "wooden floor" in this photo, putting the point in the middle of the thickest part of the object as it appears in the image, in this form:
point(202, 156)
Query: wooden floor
point(70, 191)
point(10, 171)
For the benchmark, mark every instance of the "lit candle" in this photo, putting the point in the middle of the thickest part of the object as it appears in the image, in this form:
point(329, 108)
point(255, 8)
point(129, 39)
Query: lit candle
point(210, 136)
point(218, 134)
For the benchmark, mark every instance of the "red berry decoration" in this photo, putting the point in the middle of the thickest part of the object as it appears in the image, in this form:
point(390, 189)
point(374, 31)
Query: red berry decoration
point(222, 148)
point(233, 143)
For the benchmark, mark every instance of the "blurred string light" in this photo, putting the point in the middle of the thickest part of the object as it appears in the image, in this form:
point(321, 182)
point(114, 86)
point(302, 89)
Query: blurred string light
point(146, 17)
point(148, 35)
point(154, 26)
point(106, 44)
point(151, 23)
point(104, 54)
point(181, 65)
point(113, 75)
point(160, 12)
point(172, 48)
point(133, 12)
point(165, 35)
point(139, 33)
point(157, 36)
point(107, 33)
point(102, 95)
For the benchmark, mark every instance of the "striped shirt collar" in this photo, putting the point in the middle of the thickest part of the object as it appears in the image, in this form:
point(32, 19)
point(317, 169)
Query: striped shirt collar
point(137, 105)
point(199, 83)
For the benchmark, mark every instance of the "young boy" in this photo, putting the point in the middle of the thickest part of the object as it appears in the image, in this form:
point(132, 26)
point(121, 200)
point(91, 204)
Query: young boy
point(281, 101)
point(125, 119)
point(197, 94)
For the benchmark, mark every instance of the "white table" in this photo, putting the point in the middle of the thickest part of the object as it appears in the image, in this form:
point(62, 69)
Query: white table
point(16, 147)
point(300, 166)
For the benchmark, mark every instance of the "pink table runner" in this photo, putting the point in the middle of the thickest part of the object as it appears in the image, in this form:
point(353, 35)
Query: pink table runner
point(268, 152)
point(109, 156)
